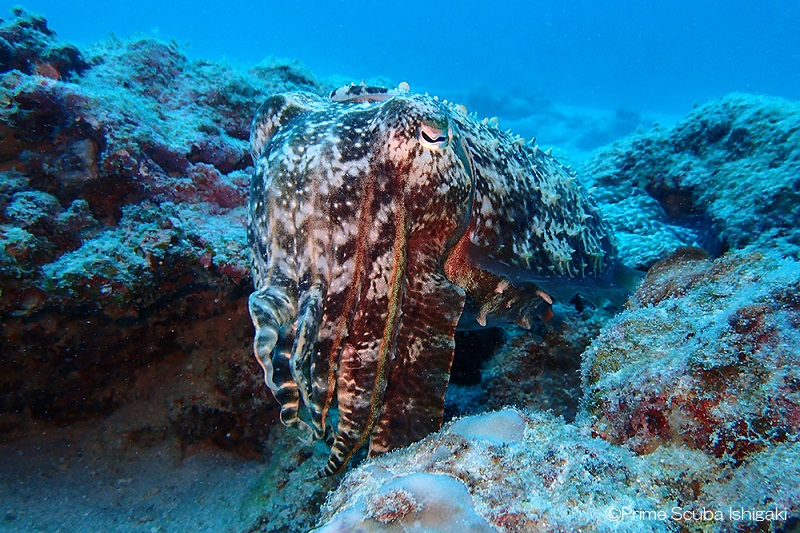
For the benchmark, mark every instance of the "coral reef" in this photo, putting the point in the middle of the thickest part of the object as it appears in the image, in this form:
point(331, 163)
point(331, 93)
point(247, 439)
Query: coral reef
point(690, 406)
point(28, 45)
point(546, 475)
point(687, 418)
point(727, 175)
point(707, 352)
point(123, 175)
point(124, 168)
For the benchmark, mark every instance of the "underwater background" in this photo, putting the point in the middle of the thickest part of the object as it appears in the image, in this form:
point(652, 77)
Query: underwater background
point(130, 399)
point(657, 56)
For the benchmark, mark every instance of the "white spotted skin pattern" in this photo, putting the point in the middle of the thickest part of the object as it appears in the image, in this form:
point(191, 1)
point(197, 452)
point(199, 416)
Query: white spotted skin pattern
point(531, 217)
point(377, 226)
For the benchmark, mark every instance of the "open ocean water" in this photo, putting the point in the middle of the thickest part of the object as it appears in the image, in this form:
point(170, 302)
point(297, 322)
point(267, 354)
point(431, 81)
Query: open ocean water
point(660, 56)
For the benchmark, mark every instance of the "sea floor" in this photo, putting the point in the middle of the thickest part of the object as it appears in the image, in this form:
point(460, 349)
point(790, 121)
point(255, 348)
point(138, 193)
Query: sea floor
point(65, 480)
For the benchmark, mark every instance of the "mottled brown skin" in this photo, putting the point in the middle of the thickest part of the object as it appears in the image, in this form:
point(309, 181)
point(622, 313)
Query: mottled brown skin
point(380, 221)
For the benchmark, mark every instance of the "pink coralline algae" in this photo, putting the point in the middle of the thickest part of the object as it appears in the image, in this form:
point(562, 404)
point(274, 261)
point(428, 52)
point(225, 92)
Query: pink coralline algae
point(707, 353)
point(394, 505)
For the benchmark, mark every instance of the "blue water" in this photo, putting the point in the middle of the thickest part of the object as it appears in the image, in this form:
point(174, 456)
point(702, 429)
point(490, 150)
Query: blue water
point(647, 56)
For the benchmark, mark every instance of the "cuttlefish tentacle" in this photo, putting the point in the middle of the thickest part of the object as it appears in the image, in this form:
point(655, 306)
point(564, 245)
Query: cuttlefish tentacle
point(304, 347)
point(366, 355)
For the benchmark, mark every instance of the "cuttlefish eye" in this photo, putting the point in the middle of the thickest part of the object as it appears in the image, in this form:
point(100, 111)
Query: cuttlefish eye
point(432, 136)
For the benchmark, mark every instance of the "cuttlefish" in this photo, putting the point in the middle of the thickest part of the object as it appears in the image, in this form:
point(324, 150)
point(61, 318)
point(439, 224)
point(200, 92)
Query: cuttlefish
point(380, 221)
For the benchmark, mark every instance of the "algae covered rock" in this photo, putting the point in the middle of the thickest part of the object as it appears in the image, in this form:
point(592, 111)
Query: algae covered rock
point(725, 176)
point(539, 368)
point(514, 483)
point(520, 471)
point(417, 501)
point(706, 355)
point(124, 170)
point(29, 45)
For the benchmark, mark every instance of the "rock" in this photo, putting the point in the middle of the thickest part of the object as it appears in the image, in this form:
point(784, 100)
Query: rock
point(413, 502)
point(705, 356)
point(553, 479)
point(540, 368)
point(727, 175)
point(124, 176)
point(29, 45)
point(690, 403)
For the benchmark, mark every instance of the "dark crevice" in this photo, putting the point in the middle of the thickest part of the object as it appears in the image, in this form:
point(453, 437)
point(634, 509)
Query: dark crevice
point(473, 348)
